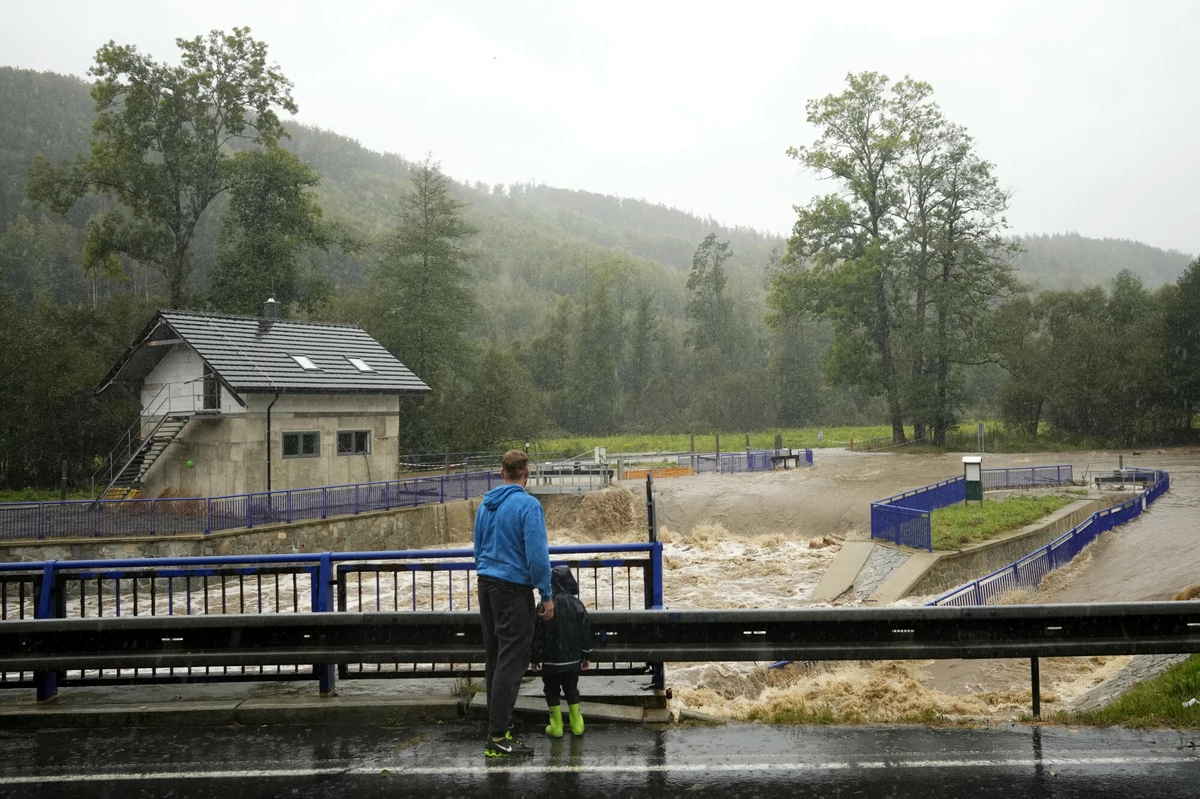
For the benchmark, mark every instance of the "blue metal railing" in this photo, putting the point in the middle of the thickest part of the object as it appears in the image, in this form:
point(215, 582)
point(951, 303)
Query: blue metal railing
point(1028, 572)
point(904, 518)
point(757, 460)
point(182, 516)
point(310, 582)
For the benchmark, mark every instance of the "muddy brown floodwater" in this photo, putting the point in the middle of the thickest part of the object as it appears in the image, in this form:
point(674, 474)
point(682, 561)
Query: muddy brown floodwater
point(1150, 558)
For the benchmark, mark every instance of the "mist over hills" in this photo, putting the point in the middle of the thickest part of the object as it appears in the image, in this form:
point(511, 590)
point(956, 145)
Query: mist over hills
point(535, 242)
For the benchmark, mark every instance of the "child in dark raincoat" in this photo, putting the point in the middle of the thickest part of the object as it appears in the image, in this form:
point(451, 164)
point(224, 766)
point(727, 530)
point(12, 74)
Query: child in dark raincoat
point(562, 646)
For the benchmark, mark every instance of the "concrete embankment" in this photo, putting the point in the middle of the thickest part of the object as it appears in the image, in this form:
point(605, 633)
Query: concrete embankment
point(881, 573)
point(444, 525)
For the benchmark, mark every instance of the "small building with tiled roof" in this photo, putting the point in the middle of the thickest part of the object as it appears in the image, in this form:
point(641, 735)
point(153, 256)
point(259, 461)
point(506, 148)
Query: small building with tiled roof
point(242, 404)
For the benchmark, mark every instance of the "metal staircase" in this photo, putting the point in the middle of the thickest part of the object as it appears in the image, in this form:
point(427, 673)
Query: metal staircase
point(143, 443)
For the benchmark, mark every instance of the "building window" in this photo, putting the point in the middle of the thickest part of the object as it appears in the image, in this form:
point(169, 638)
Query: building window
point(354, 442)
point(360, 364)
point(302, 445)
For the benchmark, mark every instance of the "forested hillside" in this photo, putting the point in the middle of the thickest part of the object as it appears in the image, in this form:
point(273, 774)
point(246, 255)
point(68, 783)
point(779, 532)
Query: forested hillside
point(530, 309)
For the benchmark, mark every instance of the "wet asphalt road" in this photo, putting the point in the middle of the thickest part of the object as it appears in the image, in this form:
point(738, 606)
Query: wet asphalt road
point(729, 762)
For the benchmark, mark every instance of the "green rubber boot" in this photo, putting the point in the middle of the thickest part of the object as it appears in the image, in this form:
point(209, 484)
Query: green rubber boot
point(576, 720)
point(555, 729)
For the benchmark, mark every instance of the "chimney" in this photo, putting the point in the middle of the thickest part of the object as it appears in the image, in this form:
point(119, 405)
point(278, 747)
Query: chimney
point(270, 309)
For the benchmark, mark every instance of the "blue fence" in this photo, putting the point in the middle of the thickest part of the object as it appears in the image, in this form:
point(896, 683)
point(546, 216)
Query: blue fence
point(610, 576)
point(756, 460)
point(904, 518)
point(1027, 573)
point(177, 516)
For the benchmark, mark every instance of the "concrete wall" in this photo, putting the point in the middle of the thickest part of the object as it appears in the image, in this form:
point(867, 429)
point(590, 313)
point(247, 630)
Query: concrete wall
point(229, 450)
point(448, 525)
point(952, 569)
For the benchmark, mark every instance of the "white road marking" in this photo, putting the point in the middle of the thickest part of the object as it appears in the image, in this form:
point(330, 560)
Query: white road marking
point(608, 768)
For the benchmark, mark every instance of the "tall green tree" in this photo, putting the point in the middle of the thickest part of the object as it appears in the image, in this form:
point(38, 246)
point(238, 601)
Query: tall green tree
point(972, 273)
point(1182, 341)
point(841, 262)
point(421, 283)
point(160, 147)
point(708, 305)
point(272, 217)
point(907, 259)
point(596, 344)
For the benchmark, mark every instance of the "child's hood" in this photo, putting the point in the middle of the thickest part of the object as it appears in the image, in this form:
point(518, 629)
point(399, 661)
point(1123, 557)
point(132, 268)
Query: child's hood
point(562, 581)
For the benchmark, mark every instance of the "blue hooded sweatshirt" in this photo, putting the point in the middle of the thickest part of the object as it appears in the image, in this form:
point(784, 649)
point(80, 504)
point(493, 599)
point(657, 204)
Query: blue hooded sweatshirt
point(510, 539)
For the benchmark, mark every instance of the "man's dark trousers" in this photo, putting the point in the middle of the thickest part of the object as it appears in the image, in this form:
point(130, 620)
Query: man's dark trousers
point(507, 613)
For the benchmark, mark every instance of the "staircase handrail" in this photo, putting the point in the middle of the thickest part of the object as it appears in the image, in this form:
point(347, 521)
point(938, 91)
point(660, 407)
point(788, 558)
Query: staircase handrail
point(126, 444)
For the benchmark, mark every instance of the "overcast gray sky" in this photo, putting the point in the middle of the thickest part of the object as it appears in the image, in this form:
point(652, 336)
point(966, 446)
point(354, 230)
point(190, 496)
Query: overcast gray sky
point(1090, 110)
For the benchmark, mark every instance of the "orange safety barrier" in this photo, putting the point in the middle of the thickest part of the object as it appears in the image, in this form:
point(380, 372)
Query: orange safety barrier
point(662, 471)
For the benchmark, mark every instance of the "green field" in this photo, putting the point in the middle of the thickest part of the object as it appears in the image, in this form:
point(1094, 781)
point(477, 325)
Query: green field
point(1153, 703)
point(40, 495)
point(960, 439)
point(794, 437)
point(973, 523)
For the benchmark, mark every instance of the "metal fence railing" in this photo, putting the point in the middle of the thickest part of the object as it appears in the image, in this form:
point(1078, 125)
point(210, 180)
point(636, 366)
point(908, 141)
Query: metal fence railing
point(758, 460)
point(1028, 572)
point(176, 516)
point(611, 577)
point(904, 518)
point(448, 461)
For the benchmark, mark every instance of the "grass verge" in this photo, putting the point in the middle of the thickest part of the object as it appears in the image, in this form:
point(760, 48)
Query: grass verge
point(1153, 703)
point(40, 495)
point(794, 437)
point(957, 525)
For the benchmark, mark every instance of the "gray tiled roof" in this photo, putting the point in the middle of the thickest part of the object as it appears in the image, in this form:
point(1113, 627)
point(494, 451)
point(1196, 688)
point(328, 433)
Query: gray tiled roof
point(255, 355)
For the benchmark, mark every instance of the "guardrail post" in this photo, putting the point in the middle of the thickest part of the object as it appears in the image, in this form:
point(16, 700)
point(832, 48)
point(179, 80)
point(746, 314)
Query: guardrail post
point(326, 672)
point(208, 516)
point(288, 494)
point(46, 681)
point(356, 499)
point(41, 521)
point(1035, 680)
point(249, 511)
point(324, 502)
point(657, 670)
point(442, 488)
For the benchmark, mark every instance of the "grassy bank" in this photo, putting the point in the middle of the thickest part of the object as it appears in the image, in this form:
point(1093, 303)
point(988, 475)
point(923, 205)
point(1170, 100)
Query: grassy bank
point(961, 439)
point(1153, 703)
point(40, 495)
point(959, 525)
point(794, 437)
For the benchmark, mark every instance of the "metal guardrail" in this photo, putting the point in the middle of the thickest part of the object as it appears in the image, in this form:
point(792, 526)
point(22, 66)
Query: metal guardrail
point(434, 461)
point(611, 576)
point(194, 516)
point(758, 460)
point(1014, 631)
point(1028, 572)
point(904, 518)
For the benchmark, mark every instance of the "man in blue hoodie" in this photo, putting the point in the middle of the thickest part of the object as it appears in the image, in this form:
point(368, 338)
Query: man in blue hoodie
point(512, 557)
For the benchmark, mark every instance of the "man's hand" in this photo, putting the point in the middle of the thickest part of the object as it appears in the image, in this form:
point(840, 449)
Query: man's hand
point(584, 667)
point(546, 609)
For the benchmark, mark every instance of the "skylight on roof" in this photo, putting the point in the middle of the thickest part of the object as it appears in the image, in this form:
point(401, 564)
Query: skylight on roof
point(305, 364)
point(360, 364)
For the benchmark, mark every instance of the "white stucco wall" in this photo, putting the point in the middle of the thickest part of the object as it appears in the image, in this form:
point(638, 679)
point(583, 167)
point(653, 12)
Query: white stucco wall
point(182, 369)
